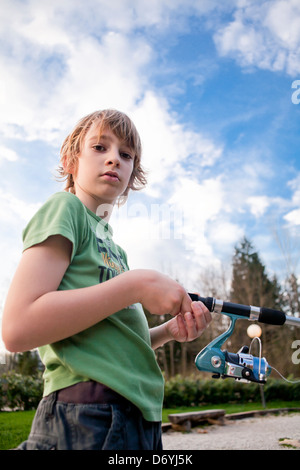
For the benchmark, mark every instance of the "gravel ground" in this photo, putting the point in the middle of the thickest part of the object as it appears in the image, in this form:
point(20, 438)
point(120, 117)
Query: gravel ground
point(257, 433)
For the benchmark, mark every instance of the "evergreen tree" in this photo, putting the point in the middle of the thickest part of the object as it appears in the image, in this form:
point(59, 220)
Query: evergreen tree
point(28, 363)
point(251, 285)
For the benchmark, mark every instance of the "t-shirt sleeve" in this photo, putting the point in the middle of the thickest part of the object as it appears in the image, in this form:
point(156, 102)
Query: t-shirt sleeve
point(63, 214)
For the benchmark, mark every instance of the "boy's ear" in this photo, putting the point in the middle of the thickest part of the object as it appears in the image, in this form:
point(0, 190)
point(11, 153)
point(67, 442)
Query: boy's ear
point(67, 166)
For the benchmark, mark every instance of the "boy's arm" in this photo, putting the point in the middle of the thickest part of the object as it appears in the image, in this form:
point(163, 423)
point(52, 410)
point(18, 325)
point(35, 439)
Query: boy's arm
point(36, 313)
point(184, 327)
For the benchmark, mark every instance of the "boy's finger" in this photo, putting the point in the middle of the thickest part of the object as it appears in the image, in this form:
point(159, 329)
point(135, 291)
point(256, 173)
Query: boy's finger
point(191, 325)
point(181, 327)
point(186, 303)
point(202, 314)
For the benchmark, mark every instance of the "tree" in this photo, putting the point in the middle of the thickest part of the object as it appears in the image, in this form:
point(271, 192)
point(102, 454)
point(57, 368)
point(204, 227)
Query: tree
point(26, 363)
point(292, 295)
point(251, 285)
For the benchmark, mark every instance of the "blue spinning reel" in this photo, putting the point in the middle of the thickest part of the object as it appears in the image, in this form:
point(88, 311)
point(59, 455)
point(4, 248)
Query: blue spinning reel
point(241, 366)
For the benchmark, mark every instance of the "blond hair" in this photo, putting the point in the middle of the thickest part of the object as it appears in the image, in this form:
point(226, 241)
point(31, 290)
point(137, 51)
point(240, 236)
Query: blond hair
point(123, 128)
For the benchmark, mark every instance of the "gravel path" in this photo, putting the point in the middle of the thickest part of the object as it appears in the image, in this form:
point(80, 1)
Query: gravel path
point(257, 433)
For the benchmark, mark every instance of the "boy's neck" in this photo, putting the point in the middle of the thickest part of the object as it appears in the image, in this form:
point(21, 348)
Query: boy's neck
point(100, 208)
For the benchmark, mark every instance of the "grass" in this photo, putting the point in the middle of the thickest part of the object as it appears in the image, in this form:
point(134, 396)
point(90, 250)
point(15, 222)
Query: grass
point(15, 426)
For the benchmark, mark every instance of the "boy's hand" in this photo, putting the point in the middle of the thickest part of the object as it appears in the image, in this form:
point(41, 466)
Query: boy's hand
point(161, 295)
point(189, 326)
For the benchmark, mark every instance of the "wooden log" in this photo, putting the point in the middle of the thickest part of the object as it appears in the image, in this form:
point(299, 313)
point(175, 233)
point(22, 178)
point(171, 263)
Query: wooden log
point(195, 416)
point(184, 421)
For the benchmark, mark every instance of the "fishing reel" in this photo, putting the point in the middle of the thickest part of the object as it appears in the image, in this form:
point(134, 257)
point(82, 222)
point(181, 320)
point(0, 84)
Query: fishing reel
point(241, 366)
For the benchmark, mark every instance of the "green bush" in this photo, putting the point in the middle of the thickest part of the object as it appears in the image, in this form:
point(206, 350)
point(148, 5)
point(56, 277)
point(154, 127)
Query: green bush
point(20, 391)
point(24, 392)
point(194, 391)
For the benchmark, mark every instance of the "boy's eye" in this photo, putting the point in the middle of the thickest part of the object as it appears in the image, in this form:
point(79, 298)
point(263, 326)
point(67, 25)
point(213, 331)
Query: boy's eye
point(99, 148)
point(102, 148)
point(126, 155)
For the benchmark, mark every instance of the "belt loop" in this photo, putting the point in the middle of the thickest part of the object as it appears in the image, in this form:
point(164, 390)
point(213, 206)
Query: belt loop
point(50, 402)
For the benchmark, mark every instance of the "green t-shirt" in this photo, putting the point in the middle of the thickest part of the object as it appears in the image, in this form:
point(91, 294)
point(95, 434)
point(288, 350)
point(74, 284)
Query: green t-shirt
point(116, 351)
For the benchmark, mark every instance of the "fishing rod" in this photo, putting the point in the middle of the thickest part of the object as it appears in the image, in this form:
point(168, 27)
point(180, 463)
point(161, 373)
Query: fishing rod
point(242, 365)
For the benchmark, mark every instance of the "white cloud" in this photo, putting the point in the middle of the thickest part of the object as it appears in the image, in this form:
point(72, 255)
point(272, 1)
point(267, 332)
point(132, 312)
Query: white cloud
point(8, 154)
point(15, 210)
point(168, 145)
point(92, 76)
point(293, 217)
point(100, 75)
point(64, 59)
point(294, 184)
point(283, 20)
point(293, 214)
point(181, 234)
point(42, 25)
point(223, 234)
point(200, 203)
point(258, 205)
point(264, 35)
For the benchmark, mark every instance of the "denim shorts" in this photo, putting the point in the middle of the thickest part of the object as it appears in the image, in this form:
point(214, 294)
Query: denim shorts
point(70, 426)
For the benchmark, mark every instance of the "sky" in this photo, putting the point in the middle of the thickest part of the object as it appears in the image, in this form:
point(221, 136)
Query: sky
point(214, 90)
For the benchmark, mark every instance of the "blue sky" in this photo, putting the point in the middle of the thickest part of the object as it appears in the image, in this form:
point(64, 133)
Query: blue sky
point(209, 85)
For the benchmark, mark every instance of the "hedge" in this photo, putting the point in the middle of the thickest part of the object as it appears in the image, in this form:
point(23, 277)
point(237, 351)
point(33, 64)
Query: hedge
point(24, 392)
point(195, 391)
point(19, 391)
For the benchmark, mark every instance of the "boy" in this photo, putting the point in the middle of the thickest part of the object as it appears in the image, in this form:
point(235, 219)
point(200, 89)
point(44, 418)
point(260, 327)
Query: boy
point(74, 297)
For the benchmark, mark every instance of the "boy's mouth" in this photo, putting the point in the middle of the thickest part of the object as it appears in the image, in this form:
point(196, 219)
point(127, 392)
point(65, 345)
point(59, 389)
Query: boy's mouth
point(111, 176)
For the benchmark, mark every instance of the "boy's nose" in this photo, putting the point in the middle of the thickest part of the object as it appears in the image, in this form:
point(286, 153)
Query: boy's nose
point(113, 159)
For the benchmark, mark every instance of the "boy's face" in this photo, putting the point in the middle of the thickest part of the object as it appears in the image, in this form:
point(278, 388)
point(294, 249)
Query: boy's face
point(104, 168)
